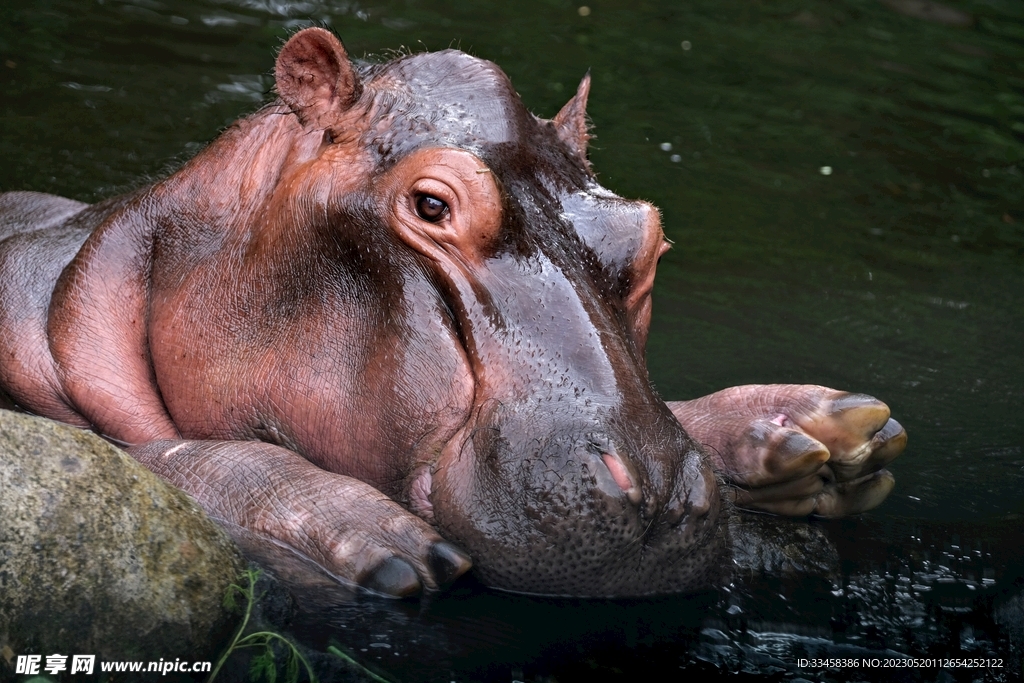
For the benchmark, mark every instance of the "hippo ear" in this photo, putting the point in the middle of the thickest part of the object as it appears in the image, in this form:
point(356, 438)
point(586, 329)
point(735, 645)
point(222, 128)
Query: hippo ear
point(571, 121)
point(315, 77)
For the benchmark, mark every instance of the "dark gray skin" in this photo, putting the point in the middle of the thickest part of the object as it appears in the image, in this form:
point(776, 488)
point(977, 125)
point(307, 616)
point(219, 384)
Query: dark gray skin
point(391, 323)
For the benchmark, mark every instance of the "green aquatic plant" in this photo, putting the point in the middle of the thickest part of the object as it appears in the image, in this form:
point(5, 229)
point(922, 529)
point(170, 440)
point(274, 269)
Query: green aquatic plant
point(264, 665)
point(337, 652)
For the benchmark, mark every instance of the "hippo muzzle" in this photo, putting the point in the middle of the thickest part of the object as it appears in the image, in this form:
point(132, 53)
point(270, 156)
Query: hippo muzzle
point(572, 515)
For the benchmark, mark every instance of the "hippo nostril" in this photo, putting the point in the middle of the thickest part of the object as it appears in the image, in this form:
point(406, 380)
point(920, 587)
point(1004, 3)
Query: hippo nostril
point(675, 511)
point(618, 470)
point(694, 498)
point(622, 477)
point(704, 494)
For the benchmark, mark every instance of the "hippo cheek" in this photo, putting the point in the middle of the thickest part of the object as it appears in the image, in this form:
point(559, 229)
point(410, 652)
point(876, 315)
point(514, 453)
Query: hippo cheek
point(575, 525)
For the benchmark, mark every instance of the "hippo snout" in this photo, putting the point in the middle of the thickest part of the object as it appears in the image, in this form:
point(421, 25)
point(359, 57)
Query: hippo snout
point(576, 513)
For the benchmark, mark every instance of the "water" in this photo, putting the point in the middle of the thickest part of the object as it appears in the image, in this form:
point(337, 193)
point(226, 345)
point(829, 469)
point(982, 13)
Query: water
point(844, 183)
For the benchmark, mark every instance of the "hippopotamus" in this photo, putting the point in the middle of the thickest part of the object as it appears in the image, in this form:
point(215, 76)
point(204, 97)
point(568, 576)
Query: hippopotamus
point(391, 323)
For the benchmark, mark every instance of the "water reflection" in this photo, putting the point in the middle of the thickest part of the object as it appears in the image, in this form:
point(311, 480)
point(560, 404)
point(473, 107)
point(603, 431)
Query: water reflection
point(839, 590)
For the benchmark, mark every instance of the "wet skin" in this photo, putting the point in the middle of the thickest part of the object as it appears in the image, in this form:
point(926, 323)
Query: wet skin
point(391, 323)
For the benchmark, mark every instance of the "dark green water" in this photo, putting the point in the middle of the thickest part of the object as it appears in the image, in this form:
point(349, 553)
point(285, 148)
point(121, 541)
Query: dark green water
point(900, 273)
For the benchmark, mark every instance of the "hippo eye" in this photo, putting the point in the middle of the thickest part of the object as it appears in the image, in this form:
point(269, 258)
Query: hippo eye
point(430, 208)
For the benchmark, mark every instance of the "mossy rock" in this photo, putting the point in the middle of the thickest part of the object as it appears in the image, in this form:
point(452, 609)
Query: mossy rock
point(99, 556)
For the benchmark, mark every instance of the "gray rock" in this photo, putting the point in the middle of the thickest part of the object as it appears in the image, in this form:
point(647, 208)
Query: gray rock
point(99, 556)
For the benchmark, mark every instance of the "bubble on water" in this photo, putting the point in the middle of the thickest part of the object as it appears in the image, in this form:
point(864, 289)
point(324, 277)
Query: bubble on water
point(666, 146)
point(584, 11)
point(825, 170)
point(687, 45)
point(675, 158)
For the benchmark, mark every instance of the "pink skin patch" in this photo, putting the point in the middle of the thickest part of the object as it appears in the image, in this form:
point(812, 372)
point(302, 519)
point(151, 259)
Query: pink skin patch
point(618, 470)
point(419, 495)
point(782, 420)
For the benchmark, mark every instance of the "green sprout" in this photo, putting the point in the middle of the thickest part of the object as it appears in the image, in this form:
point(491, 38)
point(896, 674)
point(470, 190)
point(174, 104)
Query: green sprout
point(264, 665)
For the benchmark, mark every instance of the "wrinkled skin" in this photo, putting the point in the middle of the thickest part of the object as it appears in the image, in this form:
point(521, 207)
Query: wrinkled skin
point(391, 323)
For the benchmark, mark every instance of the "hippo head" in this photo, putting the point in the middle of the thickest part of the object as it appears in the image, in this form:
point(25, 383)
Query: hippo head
point(566, 473)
